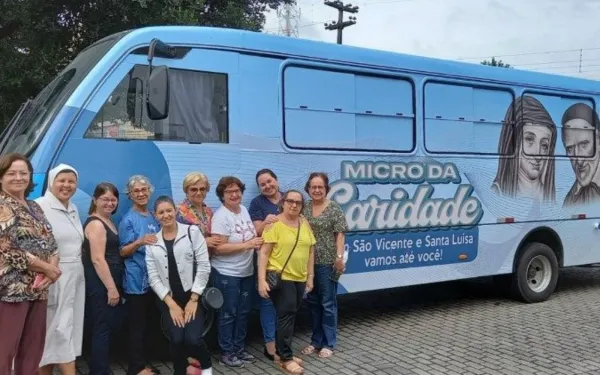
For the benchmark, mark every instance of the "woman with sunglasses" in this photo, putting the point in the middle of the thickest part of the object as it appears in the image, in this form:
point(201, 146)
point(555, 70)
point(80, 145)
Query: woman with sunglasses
point(193, 210)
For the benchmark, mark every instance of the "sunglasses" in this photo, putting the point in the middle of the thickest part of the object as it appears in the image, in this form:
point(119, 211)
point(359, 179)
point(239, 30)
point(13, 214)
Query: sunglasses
point(196, 189)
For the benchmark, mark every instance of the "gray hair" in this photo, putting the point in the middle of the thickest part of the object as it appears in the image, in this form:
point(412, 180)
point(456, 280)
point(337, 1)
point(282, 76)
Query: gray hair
point(138, 179)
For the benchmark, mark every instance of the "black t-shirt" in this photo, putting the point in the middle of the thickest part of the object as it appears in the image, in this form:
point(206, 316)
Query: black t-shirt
point(178, 294)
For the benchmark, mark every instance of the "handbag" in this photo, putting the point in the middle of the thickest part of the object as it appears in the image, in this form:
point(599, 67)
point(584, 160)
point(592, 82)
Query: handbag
point(273, 278)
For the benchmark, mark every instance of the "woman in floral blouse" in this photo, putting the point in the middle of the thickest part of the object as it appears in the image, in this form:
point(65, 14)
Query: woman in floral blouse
point(193, 210)
point(328, 223)
point(28, 265)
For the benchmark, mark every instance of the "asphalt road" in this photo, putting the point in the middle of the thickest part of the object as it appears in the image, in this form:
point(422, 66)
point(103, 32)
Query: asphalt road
point(464, 328)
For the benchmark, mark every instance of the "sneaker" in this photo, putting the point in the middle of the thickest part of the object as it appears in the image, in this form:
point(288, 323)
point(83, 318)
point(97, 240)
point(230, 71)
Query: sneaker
point(231, 361)
point(246, 357)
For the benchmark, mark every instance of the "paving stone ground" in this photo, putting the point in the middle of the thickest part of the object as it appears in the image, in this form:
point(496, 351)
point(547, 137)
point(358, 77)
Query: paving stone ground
point(459, 328)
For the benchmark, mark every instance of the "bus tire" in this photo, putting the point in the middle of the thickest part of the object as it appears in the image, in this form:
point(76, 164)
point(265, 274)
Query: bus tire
point(536, 273)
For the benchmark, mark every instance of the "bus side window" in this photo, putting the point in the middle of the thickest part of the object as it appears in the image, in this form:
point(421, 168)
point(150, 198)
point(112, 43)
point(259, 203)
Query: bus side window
point(198, 109)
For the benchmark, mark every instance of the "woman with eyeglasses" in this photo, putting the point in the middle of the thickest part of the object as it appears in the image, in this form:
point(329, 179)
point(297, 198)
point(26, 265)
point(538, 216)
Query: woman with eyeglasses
point(286, 272)
point(29, 259)
point(137, 230)
point(103, 269)
point(327, 220)
point(233, 270)
point(193, 210)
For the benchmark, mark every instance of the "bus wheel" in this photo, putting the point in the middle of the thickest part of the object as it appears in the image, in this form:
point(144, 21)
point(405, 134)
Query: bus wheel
point(536, 274)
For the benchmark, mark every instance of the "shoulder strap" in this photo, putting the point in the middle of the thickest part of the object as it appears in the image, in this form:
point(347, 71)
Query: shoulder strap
point(295, 244)
point(193, 252)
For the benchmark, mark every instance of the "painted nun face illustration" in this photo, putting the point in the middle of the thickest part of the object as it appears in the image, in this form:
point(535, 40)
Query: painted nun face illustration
point(578, 138)
point(536, 146)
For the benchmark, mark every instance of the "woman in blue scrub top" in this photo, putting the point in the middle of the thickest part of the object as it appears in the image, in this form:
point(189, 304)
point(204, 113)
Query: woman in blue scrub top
point(136, 230)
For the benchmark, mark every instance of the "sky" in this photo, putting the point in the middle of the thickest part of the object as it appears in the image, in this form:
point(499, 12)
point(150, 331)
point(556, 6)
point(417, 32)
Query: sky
point(553, 36)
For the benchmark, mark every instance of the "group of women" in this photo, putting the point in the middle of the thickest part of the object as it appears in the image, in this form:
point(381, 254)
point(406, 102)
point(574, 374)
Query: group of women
point(282, 249)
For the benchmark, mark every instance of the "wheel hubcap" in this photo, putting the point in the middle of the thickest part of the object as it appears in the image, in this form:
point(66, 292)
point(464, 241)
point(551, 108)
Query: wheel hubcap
point(539, 273)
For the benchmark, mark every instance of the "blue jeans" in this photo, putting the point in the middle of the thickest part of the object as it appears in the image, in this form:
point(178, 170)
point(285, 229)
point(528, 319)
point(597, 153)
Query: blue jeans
point(323, 308)
point(233, 316)
point(268, 319)
point(268, 315)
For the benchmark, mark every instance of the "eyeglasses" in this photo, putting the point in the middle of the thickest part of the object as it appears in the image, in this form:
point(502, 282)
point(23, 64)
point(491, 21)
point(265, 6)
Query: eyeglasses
point(292, 202)
point(140, 191)
point(231, 192)
point(108, 200)
point(317, 188)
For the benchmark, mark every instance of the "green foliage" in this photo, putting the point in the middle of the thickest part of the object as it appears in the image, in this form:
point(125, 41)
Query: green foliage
point(39, 37)
point(494, 62)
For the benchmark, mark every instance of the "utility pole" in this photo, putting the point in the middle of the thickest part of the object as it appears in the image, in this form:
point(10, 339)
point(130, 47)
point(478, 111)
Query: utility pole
point(340, 24)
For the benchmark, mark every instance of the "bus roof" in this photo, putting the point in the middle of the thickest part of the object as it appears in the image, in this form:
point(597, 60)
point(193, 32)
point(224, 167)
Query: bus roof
point(287, 47)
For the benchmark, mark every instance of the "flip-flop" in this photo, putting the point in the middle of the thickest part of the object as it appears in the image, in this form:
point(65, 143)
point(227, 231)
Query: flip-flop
point(325, 353)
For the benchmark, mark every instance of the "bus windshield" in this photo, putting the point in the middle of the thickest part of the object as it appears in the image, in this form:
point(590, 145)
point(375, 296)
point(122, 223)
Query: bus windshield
point(33, 119)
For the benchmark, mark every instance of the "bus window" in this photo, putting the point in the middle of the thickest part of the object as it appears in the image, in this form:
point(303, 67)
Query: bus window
point(197, 113)
point(30, 127)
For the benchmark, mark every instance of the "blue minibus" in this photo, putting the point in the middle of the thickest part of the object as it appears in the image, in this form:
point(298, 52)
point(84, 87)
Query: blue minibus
point(445, 170)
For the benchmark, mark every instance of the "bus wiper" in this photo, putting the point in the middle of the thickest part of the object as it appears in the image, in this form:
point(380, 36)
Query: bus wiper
point(9, 130)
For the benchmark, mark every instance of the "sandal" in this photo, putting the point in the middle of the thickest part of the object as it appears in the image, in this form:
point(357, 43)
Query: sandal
point(291, 367)
point(299, 361)
point(325, 353)
point(309, 350)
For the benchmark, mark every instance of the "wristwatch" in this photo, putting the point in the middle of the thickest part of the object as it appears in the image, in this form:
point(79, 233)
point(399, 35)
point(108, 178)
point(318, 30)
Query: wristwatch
point(194, 299)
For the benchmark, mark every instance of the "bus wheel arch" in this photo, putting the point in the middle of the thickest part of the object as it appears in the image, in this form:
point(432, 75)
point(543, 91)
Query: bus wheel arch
point(536, 267)
point(546, 236)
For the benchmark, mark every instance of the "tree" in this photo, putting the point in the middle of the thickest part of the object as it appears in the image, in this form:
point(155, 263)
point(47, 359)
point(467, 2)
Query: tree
point(39, 37)
point(494, 62)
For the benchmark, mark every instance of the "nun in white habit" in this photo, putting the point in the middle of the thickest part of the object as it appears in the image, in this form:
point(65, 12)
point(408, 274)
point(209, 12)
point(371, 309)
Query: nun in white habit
point(66, 297)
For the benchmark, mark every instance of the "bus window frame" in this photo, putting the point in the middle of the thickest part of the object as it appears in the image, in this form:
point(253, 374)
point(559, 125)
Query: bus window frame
point(564, 95)
point(144, 109)
point(474, 85)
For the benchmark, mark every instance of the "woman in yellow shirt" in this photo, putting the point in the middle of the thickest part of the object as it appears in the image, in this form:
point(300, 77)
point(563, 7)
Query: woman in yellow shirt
point(286, 272)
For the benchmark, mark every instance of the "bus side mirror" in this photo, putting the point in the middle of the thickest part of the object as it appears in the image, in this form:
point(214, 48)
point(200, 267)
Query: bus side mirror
point(157, 93)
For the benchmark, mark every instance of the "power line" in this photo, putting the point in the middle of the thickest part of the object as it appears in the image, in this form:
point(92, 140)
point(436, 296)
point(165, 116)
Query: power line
point(340, 24)
point(530, 53)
